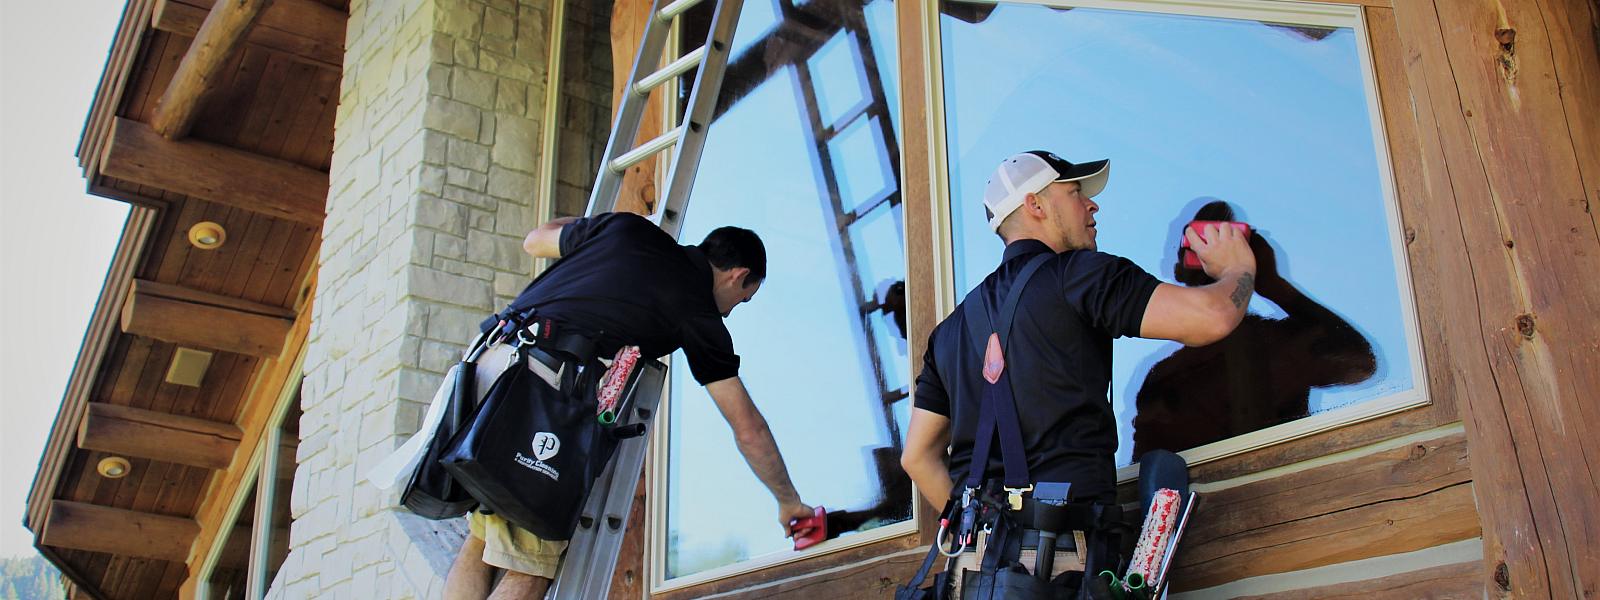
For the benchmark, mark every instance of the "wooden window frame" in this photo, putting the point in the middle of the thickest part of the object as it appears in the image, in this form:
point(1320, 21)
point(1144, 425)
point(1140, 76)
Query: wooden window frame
point(263, 466)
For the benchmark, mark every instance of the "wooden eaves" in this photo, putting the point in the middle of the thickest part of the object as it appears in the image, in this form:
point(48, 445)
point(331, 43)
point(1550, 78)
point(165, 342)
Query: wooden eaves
point(233, 127)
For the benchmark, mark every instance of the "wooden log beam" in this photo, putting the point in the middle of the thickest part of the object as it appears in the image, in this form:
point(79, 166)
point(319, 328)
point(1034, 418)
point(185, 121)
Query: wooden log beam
point(159, 436)
point(307, 30)
point(219, 37)
point(190, 317)
point(81, 526)
point(135, 152)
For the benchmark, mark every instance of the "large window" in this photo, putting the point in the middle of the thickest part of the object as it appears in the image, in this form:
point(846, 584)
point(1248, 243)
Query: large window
point(1250, 110)
point(805, 154)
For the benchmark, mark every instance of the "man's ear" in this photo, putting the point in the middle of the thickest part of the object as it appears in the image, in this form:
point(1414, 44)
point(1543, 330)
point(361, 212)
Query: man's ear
point(741, 276)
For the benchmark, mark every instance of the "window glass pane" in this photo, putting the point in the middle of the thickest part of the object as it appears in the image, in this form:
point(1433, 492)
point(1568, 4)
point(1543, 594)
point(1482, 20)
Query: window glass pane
point(228, 577)
point(809, 341)
point(863, 175)
point(836, 71)
point(1270, 119)
point(278, 537)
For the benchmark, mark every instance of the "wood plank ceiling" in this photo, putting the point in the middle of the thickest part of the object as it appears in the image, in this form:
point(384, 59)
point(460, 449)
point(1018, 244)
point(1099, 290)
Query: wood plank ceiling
point(243, 138)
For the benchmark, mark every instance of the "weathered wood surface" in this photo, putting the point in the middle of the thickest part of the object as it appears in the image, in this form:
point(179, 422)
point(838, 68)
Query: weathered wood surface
point(220, 35)
point(870, 571)
point(193, 321)
point(159, 436)
point(1401, 499)
point(83, 526)
point(218, 173)
point(923, 285)
point(1506, 204)
point(1436, 583)
point(308, 30)
point(628, 19)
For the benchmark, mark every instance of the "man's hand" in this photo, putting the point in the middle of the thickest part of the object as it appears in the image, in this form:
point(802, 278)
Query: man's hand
point(789, 513)
point(1222, 250)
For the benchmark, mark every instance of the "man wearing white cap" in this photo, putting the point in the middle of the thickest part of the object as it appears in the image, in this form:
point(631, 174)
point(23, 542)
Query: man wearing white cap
point(1057, 353)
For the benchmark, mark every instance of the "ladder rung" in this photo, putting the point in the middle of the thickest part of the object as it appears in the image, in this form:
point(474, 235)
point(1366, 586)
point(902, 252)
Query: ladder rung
point(678, 67)
point(647, 149)
point(675, 9)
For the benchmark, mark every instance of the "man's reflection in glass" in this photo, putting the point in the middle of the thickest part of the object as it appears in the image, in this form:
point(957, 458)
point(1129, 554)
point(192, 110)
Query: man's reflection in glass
point(1259, 376)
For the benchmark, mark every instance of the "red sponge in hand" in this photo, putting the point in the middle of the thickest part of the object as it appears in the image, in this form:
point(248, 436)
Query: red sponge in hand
point(811, 530)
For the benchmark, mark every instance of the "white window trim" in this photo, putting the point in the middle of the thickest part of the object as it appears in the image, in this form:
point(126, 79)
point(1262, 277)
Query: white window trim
point(1318, 14)
point(261, 462)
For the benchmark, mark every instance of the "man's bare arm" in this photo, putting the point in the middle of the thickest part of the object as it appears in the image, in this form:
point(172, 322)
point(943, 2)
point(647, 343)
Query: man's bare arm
point(545, 240)
point(760, 450)
point(924, 456)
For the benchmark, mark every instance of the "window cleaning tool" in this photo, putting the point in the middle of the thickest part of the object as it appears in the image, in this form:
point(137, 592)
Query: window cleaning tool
point(815, 528)
point(592, 553)
point(1192, 260)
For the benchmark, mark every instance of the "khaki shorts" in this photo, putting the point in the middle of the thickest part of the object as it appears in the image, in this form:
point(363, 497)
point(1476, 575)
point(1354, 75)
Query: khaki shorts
point(505, 545)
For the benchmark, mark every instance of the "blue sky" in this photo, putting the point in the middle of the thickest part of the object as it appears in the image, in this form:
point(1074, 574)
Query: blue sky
point(55, 240)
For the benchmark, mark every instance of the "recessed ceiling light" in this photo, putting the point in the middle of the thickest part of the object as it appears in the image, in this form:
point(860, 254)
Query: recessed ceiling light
point(113, 467)
point(207, 235)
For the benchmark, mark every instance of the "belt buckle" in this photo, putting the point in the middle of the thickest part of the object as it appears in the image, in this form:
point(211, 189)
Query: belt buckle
point(1014, 497)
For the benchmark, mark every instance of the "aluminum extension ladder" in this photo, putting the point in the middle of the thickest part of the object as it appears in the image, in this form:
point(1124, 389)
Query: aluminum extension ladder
point(591, 556)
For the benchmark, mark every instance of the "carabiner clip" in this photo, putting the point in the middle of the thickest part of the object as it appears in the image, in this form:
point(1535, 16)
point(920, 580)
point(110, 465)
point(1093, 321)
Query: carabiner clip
point(938, 541)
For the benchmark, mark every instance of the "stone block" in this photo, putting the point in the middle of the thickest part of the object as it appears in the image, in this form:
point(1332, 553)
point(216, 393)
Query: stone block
point(512, 186)
point(505, 65)
point(500, 252)
point(513, 220)
point(462, 19)
point(467, 178)
point(430, 179)
point(511, 96)
point(439, 356)
point(430, 284)
point(455, 325)
point(466, 54)
point(472, 198)
point(473, 87)
point(469, 154)
point(450, 246)
point(516, 142)
point(509, 285)
point(441, 214)
point(480, 220)
point(449, 116)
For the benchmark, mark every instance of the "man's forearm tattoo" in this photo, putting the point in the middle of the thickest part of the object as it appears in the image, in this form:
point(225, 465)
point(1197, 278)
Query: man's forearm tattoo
point(1241, 294)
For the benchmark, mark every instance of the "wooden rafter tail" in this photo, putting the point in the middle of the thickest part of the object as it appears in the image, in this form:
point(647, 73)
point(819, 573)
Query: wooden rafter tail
point(159, 436)
point(81, 526)
point(219, 37)
point(307, 30)
point(195, 318)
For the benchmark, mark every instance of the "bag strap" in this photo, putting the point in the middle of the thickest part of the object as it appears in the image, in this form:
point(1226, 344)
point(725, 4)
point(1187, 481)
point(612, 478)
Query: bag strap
point(997, 409)
point(933, 549)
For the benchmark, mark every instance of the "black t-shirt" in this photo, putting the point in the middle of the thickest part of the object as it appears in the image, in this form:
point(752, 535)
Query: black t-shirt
point(1059, 360)
point(626, 282)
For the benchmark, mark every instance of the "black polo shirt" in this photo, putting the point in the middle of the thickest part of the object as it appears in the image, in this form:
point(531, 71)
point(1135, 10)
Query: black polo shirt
point(1059, 359)
point(626, 282)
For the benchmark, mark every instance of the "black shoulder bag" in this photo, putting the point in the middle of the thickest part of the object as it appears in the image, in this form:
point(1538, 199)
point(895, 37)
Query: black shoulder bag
point(532, 450)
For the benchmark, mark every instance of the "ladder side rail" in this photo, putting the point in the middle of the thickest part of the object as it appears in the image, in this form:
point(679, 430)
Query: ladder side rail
point(626, 127)
point(702, 101)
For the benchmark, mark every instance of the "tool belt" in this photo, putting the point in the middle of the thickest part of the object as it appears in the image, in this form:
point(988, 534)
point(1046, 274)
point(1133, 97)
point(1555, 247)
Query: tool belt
point(995, 516)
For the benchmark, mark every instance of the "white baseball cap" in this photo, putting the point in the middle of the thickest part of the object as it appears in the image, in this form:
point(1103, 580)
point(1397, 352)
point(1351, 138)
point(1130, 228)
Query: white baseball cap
point(1032, 171)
